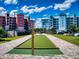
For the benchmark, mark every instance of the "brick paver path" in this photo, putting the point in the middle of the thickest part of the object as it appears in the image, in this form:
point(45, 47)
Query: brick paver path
point(6, 47)
point(66, 47)
point(19, 56)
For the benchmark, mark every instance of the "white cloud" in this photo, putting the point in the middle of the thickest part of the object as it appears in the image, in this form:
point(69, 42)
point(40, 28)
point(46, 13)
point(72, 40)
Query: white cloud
point(12, 12)
point(38, 23)
point(37, 9)
point(45, 15)
point(67, 13)
point(67, 4)
point(11, 1)
point(2, 11)
point(32, 9)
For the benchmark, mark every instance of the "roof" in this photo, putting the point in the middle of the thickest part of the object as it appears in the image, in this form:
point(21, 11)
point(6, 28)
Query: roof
point(19, 12)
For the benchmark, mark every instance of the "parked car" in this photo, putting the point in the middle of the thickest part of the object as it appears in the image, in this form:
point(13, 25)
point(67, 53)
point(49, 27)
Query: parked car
point(76, 34)
point(60, 33)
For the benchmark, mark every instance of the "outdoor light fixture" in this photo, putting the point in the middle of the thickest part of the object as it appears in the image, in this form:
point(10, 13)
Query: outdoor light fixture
point(32, 40)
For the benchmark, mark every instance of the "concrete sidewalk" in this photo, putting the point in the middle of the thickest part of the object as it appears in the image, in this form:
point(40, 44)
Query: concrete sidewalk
point(66, 47)
point(6, 47)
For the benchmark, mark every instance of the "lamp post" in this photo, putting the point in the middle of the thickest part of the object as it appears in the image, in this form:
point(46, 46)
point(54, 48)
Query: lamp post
point(32, 39)
point(14, 18)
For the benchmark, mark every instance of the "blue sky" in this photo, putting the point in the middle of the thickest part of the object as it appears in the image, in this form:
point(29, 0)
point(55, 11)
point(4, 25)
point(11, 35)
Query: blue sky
point(39, 8)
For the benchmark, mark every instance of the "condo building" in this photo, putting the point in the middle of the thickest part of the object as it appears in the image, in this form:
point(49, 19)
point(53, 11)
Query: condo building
point(14, 25)
point(32, 23)
point(47, 23)
point(2, 22)
point(55, 22)
point(26, 24)
point(61, 22)
point(20, 22)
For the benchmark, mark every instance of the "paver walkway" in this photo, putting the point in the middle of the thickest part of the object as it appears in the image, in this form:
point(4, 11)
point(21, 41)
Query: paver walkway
point(21, 56)
point(66, 47)
point(6, 47)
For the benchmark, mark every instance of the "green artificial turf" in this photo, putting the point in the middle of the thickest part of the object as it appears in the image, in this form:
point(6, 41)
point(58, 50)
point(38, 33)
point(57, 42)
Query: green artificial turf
point(71, 39)
point(43, 47)
point(40, 41)
point(40, 52)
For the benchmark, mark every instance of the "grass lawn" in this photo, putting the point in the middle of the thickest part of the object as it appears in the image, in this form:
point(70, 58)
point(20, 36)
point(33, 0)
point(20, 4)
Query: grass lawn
point(43, 46)
point(40, 41)
point(3, 40)
point(71, 39)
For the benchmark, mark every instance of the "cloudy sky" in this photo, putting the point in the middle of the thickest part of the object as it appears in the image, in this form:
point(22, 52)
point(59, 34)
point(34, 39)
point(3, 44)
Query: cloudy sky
point(39, 8)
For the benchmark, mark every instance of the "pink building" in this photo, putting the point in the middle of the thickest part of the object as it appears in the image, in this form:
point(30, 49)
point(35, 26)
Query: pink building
point(2, 21)
point(32, 23)
point(20, 22)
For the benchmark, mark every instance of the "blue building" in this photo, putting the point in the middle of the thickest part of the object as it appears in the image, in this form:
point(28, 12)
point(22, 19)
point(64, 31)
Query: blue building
point(77, 21)
point(61, 22)
point(55, 23)
point(47, 23)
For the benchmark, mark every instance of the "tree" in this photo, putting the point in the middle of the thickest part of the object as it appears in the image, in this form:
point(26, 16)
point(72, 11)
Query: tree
point(72, 28)
point(77, 29)
point(40, 30)
point(52, 30)
point(2, 32)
